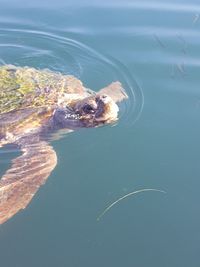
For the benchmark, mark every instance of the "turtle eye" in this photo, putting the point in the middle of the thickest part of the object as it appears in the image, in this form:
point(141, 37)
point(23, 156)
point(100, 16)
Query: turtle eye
point(88, 109)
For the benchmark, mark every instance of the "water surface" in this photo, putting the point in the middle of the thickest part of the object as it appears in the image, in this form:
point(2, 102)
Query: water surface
point(152, 47)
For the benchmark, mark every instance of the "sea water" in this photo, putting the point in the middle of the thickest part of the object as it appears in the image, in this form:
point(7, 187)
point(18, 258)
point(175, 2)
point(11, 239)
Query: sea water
point(152, 48)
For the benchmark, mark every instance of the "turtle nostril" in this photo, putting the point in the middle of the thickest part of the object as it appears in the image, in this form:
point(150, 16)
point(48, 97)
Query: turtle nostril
point(88, 109)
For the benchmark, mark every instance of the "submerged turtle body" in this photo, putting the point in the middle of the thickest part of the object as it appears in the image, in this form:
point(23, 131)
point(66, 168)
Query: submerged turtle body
point(35, 104)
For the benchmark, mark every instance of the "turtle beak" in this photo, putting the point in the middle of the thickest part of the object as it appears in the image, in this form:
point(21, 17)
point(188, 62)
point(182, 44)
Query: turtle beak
point(107, 110)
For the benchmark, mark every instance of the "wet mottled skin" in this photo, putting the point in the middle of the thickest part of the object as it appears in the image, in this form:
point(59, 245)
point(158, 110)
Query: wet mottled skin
point(33, 105)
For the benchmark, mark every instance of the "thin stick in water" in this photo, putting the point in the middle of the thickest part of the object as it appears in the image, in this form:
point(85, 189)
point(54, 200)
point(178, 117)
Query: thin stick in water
point(127, 195)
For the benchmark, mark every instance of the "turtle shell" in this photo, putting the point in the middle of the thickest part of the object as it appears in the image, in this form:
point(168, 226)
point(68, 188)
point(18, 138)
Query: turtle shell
point(25, 87)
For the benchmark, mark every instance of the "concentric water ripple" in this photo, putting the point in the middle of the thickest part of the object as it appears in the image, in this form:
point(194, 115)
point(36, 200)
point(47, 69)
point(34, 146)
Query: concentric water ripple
point(46, 50)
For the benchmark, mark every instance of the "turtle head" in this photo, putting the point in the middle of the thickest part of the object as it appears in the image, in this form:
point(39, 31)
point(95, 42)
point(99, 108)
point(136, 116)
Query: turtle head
point(97, 110)
point(91, 111)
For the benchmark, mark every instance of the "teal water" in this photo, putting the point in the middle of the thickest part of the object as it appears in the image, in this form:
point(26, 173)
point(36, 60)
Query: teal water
point(152, 47)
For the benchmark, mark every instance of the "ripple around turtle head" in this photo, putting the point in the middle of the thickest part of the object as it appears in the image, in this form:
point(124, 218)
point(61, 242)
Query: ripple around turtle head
point(41, 50)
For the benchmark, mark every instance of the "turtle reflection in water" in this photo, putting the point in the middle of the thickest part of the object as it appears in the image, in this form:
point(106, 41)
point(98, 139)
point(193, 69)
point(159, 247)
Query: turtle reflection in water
point(34, 106)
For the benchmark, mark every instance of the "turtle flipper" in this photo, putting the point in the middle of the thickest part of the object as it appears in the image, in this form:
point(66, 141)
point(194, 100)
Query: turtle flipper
point(21, 182)
point(115, 91)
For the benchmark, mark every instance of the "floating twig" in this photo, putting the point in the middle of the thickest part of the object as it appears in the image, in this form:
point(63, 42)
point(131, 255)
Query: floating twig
point(181, 68)
point(180, 37)
point(196, 18)
point(125, 196)
point(159, 41)
point(178, 68)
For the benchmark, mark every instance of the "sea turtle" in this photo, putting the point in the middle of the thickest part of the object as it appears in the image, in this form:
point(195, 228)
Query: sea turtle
point(34, 105)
